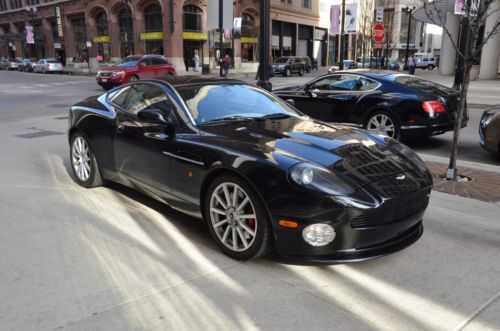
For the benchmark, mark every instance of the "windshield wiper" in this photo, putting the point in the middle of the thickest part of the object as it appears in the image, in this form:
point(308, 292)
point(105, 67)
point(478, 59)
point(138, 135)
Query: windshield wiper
point(231, 118)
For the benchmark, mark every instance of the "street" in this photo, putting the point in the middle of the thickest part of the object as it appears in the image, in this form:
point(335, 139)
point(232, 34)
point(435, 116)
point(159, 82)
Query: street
point(110, 258)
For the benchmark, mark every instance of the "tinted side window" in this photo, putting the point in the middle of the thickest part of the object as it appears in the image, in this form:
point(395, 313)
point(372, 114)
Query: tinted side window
point(146, 61)
point(157, 61)
point(336, 83)
point(146, 96)
point(118, 97)
point(365, 84)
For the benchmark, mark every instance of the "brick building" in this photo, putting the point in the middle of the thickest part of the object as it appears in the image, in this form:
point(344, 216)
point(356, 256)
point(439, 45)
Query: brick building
point(74, 30)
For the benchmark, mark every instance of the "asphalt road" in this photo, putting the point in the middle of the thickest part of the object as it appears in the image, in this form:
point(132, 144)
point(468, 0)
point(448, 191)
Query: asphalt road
point(112, 259)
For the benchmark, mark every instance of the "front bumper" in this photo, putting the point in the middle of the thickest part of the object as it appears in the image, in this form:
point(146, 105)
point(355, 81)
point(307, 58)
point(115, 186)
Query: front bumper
point(109, 81)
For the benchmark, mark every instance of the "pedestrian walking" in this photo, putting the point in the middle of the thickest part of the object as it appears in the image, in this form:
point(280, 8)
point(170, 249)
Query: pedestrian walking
point(411, 65)
point(196, 61)
point(186, 62)
point(226, 63)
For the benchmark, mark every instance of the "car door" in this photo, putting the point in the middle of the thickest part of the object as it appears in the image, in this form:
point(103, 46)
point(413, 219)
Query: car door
point(330, 98)
point(139, 146)
point(160, 67)
point(146, 69)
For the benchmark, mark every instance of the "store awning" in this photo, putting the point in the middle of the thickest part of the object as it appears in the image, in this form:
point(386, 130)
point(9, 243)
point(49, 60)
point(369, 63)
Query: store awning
point(434, 12)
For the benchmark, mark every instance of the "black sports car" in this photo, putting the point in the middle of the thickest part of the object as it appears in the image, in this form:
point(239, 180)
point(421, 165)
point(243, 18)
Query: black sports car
point(393, 104)
point(261, 174)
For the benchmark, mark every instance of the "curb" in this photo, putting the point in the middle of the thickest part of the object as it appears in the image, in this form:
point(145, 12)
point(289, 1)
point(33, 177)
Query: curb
point(461, 163)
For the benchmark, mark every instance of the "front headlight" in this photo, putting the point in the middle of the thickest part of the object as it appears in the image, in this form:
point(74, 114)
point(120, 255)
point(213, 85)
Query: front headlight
point(486, 119)
point(118, 73)
point(319, 179)
point(410, 155)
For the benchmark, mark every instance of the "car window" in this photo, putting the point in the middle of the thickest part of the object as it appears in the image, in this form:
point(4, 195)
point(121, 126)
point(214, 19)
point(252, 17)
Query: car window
point(336, 83)
point(146, 61)
point(365, 84)
point(118, 97)
point(149, 96)
point(157, 61)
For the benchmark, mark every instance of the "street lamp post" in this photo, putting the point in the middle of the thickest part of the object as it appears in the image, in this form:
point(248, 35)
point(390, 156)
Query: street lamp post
point(264, 46)
point(409, 11)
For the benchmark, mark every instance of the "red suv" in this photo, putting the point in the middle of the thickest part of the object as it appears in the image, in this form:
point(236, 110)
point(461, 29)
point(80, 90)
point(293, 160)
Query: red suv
point(134, 67)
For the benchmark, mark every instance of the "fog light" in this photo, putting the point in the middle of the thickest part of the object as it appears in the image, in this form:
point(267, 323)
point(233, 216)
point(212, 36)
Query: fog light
point(318, 234)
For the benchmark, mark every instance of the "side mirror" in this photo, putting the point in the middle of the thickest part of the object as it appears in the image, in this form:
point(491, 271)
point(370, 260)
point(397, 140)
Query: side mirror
point(153, 116)
point(291, 102)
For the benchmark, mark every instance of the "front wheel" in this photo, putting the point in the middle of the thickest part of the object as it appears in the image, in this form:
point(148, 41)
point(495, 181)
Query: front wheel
point(133, 78)
point(84, 163)
point(237, 219)
point(383, 123)
point(286, 73)
point(301, 72)
point(430, 67)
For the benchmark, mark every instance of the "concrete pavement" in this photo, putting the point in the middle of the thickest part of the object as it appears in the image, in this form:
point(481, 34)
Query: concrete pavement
point(113, 259)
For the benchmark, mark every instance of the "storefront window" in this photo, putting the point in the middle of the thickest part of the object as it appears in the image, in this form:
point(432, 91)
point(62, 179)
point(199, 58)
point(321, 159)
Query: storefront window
point(80, 32)
point(102, 29)
point(192, 18)
point(126, 32)
point(248, 39)
point(154, 23)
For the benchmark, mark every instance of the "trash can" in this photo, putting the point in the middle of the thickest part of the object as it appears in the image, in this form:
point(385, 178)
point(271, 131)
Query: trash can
point(205, 69)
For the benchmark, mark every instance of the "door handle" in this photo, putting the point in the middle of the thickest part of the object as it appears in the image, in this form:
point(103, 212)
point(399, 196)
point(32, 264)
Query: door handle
point(120, 128)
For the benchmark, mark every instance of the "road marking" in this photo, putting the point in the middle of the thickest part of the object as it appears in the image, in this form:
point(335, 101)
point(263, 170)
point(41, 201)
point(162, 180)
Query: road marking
point(59, 83)
point(41, 85)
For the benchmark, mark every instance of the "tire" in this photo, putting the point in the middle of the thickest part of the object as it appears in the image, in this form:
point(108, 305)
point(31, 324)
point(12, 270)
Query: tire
point(308, 69)
point(133, 78)
point(44, 71)
point(83, 163)
point(239, 238)
point(301, 72)
point(286, 73)
point(384, 121)
point(430, 67)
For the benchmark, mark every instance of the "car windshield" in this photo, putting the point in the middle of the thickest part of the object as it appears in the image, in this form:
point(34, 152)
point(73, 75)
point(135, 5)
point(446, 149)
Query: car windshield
point(281, 60)
point(233, 102)
point(128, 62)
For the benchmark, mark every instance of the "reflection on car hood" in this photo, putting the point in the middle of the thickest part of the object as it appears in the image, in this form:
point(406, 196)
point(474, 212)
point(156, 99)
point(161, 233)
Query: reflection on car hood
point(346, 151)
point(118, 68)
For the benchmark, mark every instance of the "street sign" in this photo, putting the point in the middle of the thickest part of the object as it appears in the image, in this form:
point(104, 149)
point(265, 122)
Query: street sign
point(379, 14)
point(378, 33)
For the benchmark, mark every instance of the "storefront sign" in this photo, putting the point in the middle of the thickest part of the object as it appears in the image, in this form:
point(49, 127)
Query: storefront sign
point(379, 14)
point(237, 27)
point(249, 40)
point(30, 38)
point(152, 36)
point(59, 22)
point(194, 35)
point(57, 45)
point(101, 39)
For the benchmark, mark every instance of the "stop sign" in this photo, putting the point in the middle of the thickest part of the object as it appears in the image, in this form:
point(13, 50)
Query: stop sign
point(378, 33)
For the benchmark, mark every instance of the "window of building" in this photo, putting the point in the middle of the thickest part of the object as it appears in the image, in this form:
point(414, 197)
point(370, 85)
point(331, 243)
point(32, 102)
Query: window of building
point(248, 39)
point(192, 18)
point(80, 33)
point(3, 5)
point(153, 23)
point(306, 3)
point(126, 32)
point(102, 29)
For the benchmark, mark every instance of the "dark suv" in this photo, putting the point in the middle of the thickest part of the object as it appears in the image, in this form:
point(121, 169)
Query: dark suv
point(287, 65)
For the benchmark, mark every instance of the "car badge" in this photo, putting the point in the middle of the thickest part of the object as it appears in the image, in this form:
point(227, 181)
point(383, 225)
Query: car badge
point(401, 177)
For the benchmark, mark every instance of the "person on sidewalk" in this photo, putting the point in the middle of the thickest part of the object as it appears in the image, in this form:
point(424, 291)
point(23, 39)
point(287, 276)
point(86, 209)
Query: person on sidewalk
point(196, 61)
point(411, 65)
point(226, 63)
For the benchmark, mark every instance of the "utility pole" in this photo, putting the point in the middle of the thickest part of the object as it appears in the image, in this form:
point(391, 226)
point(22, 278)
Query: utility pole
point(342, 37)
point(264, 46)
point(463, 41)
point(221, 36)
point(409, 11)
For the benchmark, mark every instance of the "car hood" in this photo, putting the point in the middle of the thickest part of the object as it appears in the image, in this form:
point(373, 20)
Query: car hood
point(351, 153)
point(118, 68)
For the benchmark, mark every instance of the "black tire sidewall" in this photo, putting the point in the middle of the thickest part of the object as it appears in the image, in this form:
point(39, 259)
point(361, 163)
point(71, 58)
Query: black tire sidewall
point(133, 78)
point(261, 244)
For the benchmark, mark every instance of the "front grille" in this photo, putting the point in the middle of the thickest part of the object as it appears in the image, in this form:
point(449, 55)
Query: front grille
point(105, 74)
point(393, 210)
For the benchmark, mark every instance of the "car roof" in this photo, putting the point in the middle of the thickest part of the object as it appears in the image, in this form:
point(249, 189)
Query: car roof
point(379, 74)
point(189, 80)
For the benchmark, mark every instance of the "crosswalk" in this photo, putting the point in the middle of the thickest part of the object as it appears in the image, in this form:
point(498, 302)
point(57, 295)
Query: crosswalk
point(39, 88)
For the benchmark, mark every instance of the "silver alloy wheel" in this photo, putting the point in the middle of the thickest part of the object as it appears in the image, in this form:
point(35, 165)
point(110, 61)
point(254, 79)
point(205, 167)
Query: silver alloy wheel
point(381, 124)
point(80, 158)
point(233, 217)
point(133, 79)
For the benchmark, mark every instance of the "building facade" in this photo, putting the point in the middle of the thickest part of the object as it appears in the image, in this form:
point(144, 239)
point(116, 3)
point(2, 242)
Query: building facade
point(79, 32)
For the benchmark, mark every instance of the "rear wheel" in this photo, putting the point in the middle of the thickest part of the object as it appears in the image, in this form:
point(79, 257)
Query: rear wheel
point(286, 73)
point(84, 163)
point(430, 67)
point(237, 219)
point(382, 122)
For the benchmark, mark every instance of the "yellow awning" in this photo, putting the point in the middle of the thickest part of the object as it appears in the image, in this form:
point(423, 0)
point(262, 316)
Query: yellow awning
point(151, 36)
point(194, 35)
point(101, 39)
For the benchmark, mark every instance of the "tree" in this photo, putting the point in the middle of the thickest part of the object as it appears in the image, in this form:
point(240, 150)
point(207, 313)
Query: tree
point(364, 33)
point(475, 13)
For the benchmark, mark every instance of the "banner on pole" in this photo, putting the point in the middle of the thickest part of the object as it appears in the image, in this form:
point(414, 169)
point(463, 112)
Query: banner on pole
point(350, 23)
point(30, 38)
point(334, 19)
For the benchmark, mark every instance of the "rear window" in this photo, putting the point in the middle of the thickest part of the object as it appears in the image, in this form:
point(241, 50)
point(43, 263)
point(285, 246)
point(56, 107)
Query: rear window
point(420, 84)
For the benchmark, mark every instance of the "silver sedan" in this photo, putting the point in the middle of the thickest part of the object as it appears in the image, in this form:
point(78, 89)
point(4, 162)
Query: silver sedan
point(46, 66)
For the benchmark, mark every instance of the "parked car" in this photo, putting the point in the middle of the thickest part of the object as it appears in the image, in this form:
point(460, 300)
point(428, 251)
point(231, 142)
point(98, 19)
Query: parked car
point(307, 63)
point(3, 64)
point(287, 65)
point(394, 64)
point(261, 174)
point(26, 65)
point(133, 68)
point(387, 103)
point(12, 64)
point(489, 129)
point(47, 66)
point(348, 64)
point(426, 63)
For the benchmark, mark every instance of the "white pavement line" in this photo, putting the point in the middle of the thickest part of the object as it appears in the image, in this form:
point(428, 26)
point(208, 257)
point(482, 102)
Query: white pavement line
point(26, 86)
point(460, 163)
point(476, 313)
point(41, 85)
point(58, 83)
